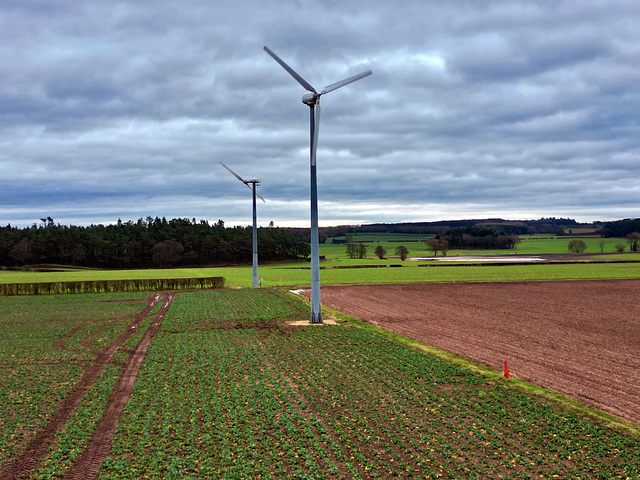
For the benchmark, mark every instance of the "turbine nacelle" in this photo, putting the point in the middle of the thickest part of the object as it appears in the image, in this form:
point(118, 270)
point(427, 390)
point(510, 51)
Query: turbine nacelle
point(310, 98)
point(254, 181)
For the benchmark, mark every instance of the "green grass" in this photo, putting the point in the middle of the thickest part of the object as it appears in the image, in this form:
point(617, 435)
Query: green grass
point(294, 274)
point(397, 238)
point(299, 273)
point(540, 244)
point(529, 245)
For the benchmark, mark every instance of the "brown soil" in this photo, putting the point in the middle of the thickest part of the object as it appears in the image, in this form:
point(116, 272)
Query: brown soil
point(579, 338)
point(37, 448)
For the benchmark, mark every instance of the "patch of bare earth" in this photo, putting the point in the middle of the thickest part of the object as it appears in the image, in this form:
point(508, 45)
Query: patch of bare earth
point(38, 446)
point(579, 338)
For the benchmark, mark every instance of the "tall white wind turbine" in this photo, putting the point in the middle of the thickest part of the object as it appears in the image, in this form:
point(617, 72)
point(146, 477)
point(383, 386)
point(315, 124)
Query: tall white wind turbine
point(312, 100)
point(252, 184)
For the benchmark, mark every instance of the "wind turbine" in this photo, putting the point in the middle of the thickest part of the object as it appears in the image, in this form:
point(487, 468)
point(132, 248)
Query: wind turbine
point(312, 100)
point(254, 183)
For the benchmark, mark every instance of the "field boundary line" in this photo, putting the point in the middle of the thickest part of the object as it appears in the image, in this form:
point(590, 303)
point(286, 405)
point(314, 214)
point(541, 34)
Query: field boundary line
point(539, 393)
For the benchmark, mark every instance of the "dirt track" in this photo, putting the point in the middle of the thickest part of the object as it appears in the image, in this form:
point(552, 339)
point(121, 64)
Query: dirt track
point(98, 446)
point(580, 338)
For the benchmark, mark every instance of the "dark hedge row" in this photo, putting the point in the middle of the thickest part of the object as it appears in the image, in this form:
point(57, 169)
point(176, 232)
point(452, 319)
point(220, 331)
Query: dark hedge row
point(110, 286)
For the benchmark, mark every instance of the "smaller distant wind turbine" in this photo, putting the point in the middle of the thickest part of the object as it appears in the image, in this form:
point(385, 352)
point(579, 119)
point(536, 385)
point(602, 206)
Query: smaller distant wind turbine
point(312, 100)
point(254, 183)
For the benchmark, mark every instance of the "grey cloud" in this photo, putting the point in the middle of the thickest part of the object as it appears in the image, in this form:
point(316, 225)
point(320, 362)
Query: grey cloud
point(124, 110)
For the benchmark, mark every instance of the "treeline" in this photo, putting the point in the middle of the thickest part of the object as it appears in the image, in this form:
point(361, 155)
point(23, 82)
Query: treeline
point(480, 238)
point(621, 228)
point(153, 242)
point(551, 225)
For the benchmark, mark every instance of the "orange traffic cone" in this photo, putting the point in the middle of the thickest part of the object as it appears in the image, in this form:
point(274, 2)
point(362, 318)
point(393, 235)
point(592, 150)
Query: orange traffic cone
point(506, 370)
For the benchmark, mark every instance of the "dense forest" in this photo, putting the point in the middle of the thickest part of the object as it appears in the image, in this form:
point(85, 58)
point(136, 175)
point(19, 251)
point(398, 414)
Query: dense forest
point(621, 228)
point(153, 242)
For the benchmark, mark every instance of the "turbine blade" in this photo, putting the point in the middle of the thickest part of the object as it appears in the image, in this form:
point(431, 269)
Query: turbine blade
point(234, 174)
point(251, 187)
point(291, 71)
point(346, 81)
point(316, 129)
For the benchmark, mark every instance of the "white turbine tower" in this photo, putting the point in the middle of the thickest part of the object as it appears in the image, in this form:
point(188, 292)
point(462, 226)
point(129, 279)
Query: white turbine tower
point(312, 100)
point(254, 183)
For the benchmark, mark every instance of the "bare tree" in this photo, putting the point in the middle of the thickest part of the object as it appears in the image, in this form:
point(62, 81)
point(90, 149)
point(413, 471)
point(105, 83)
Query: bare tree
point(352, 250)
point(436, 245)
point(402, 252)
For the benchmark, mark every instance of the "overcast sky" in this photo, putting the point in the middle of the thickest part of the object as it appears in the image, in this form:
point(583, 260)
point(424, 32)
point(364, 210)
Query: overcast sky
point(475, 109)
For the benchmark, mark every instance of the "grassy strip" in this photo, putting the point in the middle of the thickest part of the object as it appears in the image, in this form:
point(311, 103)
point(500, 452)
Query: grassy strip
point(556, 399)
point(292, 275)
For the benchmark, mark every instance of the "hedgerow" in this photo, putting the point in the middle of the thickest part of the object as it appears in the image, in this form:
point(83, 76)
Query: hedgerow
point(110, 286)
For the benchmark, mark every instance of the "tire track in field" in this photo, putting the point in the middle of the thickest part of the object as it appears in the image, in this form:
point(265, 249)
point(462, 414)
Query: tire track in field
point(38, 447)
point(97, 449)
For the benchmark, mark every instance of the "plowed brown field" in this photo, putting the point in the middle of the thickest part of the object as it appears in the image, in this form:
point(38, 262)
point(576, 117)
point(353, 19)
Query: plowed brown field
point(579, 338)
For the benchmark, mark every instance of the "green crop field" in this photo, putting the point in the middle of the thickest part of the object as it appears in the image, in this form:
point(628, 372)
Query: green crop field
point(239, 394)
point(228, 389)
point(45, 341)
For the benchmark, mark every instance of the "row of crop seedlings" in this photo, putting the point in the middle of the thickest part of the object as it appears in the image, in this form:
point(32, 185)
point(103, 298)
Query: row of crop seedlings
point(109, 286)
point(373, 426)
point(296, 447)
point(236, 419)
point(196, 310)
point(408, 424)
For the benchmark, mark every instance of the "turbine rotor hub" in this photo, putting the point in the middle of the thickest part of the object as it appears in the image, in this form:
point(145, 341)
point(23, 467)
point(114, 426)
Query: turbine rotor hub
point(310, 98)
